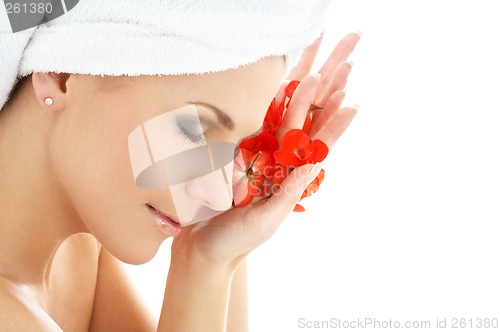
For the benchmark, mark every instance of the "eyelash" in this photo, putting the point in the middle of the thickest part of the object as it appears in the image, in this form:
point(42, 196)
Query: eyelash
point(195, 139)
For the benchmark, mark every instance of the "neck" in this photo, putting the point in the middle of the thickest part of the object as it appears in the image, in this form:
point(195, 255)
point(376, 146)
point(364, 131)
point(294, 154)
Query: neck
point(35, 213)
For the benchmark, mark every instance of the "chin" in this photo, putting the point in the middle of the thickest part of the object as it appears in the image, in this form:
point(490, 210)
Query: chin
point(139, 253)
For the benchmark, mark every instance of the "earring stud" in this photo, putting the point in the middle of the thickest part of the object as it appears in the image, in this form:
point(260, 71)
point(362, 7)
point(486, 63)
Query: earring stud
point(48, 101)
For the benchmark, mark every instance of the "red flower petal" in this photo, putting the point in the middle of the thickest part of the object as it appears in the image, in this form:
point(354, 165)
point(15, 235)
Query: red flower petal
point(280, 173)
point(248, 175)
point(306, 128)
point(295, 138)
point(245, 201)
point(260, 167)
point(265, 141)
point(290, 88)
point(268, 142)
point(286, 158)
point(240, 164)
point(298, 208)
point(240, 190)
point(314, 185)
point(274, 115)
point(319, 151)
point(250, 143)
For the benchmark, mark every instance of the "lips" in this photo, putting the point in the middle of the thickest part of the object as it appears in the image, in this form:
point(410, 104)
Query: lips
point(168, 226)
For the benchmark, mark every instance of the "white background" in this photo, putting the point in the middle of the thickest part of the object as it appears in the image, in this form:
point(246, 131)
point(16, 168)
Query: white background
point(405, 226)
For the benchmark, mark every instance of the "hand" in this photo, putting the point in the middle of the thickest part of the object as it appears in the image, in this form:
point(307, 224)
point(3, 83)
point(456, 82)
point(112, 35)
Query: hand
point(330, 122)
point(226, 239)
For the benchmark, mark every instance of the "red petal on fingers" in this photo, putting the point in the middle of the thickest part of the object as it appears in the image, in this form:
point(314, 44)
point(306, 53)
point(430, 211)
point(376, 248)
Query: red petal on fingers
point(243, 158)
point(295, 138)
point(314, 185)
point(240, 165)
point(250, 144)
point(260, 167)
point(306, 128)
point(286, 158)
point(244, 201)
point(264, 160)
point(319, 151)
point(303, 155)
point(268, 142)
point(241, 192)
point(254, 187)
point(265, 141)
point(274, 115)
point(311, 189)
point(298, 208)
point(321, 176)
point(266, 188)
point(290, 88)
point(264, 165)
point(280, 173)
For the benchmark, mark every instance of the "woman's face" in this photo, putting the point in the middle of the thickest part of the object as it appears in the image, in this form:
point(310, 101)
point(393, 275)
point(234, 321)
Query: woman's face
point(98, 156)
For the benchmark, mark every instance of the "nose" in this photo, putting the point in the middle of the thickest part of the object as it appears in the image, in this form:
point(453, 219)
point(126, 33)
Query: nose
point(213, 190)
point(200, 181)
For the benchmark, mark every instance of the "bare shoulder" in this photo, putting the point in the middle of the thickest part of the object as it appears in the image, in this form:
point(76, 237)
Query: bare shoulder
point(20, 313)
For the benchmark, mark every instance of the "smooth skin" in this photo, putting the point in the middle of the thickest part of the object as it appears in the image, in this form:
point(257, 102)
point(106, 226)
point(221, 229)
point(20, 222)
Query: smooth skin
point(71, 212)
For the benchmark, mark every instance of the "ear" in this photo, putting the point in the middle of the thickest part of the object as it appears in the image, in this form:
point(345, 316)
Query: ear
point(51, 85)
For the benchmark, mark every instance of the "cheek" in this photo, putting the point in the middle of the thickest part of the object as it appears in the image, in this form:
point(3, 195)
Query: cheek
point(93, 154)
point(91, 161)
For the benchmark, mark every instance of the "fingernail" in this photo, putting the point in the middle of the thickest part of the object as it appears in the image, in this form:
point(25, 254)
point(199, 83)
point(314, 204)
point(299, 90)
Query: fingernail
point(312, 174)
point(349, 62)
point(356, 107)
point(359, 33)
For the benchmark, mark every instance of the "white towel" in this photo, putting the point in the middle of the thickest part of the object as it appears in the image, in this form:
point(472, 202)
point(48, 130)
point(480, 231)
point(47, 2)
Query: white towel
point(155, 37)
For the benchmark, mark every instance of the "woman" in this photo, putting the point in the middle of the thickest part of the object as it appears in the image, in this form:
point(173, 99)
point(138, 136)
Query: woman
point(75, 200)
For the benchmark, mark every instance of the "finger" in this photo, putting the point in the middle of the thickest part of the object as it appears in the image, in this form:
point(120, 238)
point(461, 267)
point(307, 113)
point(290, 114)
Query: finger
point(322, 115)
point(267, 217)
point(280, 95)
point(335, 82)
point(306, 61)
point(339, 54)
point(336, 126)
point(299, 105)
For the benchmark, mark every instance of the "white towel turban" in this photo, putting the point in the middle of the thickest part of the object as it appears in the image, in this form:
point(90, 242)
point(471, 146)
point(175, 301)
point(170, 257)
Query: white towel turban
point(155, 37)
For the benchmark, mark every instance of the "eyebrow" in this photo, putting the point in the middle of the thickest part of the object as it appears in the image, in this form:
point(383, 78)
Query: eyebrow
point(222, 117)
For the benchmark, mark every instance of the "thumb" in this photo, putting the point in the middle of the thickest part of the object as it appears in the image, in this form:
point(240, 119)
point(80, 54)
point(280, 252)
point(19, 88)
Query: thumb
point(283, 201)
point(293, 186)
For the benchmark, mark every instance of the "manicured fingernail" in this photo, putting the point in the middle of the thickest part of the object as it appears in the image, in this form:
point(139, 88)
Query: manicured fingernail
point(349, 62)
point(317, 75)
point(313, 173)
point(359, 33)
point(356, 107)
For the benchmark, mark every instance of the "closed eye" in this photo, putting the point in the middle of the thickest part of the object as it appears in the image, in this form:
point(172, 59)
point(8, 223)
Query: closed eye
point(190, 130)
